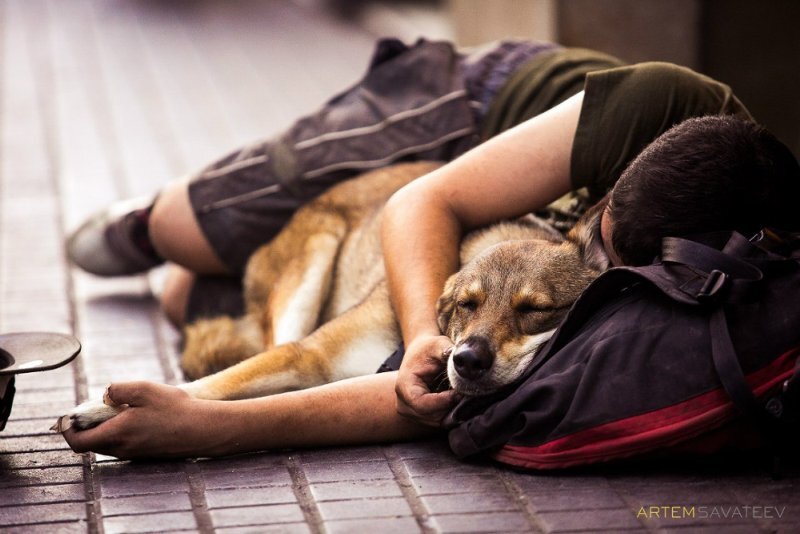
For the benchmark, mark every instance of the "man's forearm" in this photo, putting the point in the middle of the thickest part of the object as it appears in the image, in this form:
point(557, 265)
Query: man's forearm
point(349, 412)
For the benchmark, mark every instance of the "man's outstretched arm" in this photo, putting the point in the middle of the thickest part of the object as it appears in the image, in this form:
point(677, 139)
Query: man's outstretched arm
point(164, 422)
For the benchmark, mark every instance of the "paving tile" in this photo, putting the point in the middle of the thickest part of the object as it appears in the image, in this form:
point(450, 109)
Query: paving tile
point(40, 459)
point(659, 493)
point(713, 529)
point(49, 475)
point(243, 478)
point(41, 410)
point(364, 508)
point(496, 522)
point(121, 482)
point(341, 455)
point(283, 528)
point(439, 485)
point(114, 320)
point(436, 447)
point(64, 527)
point(16, 496)
point(241, 462)
point(161, 522)
point(348, 471)
point(145, 504)
point(122, 468)
point(354, 489)
point(575, 500)
point(42, 513)
point(766, 492)
point(239, 496)
point(686, 516)
point(53, 379)
point(29, 427)
point(27, 394)
point(444, 465)
point(535, 483)
point(401, 525)
point(570, 520)
point(101, 348)
point(469, 503)
point(257, 515)
point(23, 319)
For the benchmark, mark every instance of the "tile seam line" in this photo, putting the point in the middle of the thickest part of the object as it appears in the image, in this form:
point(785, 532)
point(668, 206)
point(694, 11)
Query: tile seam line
point(197, 498)
point(412, 497)
point(519, 496)
point(302, 491)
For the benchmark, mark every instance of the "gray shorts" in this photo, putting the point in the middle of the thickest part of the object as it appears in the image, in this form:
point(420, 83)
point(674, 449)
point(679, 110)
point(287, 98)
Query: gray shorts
point(419, 102)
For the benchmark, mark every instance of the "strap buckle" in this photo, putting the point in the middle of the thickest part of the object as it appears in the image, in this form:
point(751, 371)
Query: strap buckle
point(716, 282)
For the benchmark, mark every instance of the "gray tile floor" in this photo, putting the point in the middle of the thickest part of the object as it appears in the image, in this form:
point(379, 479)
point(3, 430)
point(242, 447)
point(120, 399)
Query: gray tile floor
point(106, 99)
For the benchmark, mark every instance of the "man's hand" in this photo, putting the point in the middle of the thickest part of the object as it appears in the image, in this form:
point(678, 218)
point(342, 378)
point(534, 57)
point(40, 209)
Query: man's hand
point(158, 421)
point(424, 366)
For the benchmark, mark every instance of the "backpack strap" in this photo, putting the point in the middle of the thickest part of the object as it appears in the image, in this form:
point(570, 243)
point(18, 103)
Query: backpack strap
point(728, 368)
point(722, 277)
point(726, 277)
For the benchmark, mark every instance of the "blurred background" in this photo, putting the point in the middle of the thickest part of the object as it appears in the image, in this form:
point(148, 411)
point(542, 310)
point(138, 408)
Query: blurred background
point(752, 45)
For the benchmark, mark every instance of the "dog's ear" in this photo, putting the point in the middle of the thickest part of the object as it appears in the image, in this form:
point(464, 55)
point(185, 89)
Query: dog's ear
point(446, 304)
point(586, 235)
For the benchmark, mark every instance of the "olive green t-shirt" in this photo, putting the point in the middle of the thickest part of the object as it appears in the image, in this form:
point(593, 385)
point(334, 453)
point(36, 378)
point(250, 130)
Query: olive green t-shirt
point(542, 83)
point(625, 107)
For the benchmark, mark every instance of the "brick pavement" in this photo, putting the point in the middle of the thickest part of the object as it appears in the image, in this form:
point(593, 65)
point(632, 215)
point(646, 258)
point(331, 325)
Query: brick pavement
point(101, 100)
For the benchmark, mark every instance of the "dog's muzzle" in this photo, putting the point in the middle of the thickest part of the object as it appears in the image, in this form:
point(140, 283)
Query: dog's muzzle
point(473, 358)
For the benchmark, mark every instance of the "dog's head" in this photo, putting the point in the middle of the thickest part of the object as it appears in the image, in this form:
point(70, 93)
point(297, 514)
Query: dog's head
point(504, 304)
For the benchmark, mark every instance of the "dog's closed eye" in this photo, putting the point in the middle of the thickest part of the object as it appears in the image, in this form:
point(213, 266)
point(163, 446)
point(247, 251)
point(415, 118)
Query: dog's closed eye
point(467, 304)
point(530, 301)
point(528, 307)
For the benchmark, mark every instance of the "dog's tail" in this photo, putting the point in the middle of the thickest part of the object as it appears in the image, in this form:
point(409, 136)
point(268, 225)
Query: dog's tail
point(211, 345)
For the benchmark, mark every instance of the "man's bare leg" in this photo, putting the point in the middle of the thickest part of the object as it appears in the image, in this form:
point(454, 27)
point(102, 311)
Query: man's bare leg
point(176, 234)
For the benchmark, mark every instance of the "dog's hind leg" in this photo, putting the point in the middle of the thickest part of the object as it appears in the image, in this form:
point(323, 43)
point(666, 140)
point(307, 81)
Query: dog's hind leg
point(297, 299)
point(288, 282)
point(352, 344)
point(285, 297)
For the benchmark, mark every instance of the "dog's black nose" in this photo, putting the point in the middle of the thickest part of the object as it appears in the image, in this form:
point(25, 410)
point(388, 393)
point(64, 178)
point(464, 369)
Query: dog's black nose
point(472, 359)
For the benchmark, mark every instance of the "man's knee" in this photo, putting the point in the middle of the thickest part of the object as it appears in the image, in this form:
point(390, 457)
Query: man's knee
point(176, 234)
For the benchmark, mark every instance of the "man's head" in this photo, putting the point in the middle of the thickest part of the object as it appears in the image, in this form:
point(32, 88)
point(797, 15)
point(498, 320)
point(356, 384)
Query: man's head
point(703, 175)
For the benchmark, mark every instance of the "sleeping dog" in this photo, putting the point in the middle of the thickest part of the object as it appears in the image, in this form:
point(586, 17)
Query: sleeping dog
point(318, 308)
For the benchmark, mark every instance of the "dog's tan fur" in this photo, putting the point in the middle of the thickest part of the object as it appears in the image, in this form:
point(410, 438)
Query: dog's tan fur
point(318, 306)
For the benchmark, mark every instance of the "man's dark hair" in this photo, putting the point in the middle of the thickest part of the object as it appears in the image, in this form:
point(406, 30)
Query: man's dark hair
point(703, 175)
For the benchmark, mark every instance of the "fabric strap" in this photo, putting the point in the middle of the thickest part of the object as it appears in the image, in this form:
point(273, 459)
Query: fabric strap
point(727, 278)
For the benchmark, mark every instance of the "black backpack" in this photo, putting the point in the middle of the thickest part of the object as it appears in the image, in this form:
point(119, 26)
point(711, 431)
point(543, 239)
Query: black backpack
point(694, 353)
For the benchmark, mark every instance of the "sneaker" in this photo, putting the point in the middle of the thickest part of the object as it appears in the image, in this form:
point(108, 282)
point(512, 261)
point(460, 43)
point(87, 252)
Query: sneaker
point(105, 244)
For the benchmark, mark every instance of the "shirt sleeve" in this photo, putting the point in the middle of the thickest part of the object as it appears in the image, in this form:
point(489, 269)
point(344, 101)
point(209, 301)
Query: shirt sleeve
point(626, 108)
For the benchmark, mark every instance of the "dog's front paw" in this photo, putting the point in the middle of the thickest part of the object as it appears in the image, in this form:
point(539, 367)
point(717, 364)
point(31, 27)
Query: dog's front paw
point(87, 415)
